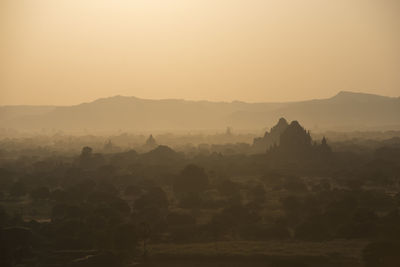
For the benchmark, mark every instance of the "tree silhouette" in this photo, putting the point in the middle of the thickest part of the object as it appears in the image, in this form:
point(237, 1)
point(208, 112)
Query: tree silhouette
point(192, 179)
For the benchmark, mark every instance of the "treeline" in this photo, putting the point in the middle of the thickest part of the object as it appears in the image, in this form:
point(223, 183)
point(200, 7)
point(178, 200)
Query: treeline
point(114, 206)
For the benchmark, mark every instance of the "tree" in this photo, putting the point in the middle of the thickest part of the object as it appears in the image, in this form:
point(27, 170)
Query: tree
point(228, 188)
point(18, 190)
point(3, 217)
point(383, 253)
point(86, 152)
point(125, 237)
point(155, 198)
point(86, 159)
point(257, 192)
point(150, 211)
point(192, 179)
point(40, 193)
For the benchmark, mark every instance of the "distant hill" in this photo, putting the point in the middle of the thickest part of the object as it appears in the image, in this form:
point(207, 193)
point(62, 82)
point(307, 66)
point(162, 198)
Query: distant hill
point(344, 111)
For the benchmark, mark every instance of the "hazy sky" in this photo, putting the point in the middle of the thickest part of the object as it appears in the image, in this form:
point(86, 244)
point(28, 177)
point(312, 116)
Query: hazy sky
point(70, 51)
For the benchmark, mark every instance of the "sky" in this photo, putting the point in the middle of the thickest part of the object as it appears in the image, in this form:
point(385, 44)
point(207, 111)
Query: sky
point(66, 52)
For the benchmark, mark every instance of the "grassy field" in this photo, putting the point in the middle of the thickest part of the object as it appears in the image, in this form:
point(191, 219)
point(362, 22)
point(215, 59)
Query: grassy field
point(28, 209)
point(272, 253)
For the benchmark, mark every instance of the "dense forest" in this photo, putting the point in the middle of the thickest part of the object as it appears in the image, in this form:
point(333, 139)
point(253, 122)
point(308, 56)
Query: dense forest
point(283, 199)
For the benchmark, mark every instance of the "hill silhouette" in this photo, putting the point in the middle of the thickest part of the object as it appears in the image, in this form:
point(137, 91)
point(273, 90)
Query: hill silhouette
point(344, 111)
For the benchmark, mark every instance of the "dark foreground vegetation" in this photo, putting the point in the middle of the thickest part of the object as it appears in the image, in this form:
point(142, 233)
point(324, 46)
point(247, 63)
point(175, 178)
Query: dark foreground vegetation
point(293, 201)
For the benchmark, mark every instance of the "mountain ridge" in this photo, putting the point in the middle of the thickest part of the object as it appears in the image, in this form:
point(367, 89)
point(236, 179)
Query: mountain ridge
point(346, 110)
point(342, 93)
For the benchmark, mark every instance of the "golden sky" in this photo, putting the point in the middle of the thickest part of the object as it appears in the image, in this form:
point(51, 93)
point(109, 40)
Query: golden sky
point(64, 52)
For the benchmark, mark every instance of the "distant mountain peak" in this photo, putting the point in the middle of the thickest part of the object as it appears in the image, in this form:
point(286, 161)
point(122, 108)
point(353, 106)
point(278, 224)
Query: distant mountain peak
point(116, 97)
point(344, 93)
point(357, 96)
point(349, 93)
